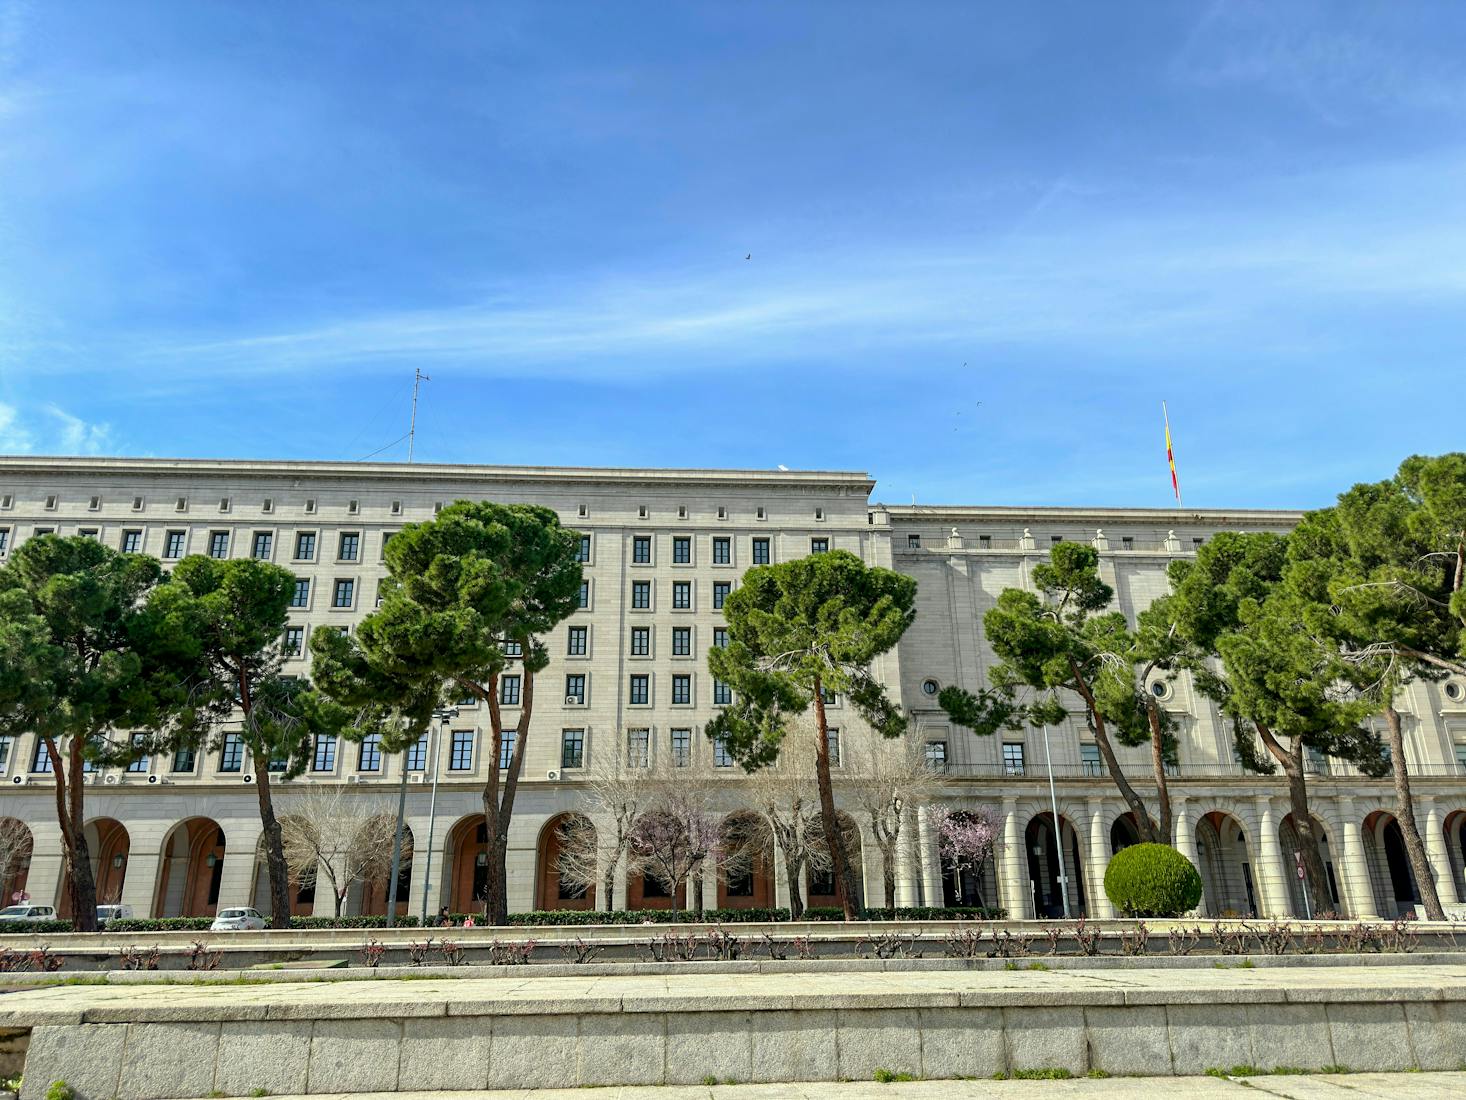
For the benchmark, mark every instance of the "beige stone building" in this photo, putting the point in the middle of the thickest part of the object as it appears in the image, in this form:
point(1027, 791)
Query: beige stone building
point(180, 835)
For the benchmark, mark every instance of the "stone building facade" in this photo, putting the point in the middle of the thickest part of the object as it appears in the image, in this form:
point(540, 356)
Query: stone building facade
point(180, 836)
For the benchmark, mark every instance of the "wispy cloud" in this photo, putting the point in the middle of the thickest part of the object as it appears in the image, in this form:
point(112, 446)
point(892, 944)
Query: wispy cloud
point(52, 431)
point(15, 438)
point(79, 437)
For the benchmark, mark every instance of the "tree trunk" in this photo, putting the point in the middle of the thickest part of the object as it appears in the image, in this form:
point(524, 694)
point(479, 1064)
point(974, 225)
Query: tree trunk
point(1158, 765)
point(792, 868)
point(1143, 823)
point(834, 839)
point(1405, 813)
point(695, 878)
point(608, 886)
point(499, 805)
point(1316, 875)
point(274, 842)
point(888, 865)
point(81, 886)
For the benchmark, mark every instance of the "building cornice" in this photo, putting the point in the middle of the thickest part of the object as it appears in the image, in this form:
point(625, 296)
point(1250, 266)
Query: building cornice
point(1170, 517)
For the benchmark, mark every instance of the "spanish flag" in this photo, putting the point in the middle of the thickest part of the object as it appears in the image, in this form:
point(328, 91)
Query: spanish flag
point(1170, 457)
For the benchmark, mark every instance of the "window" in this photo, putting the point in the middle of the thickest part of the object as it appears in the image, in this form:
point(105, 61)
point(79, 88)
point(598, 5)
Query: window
point(722, 693)
point(460, 754)
point(41, 761)
point(51, 502)
point(1127, 542)
point(572, 748)
point(506, 748)
point(369, 753)
point(264, 545)
point(575, 689)
point(231, 753)
point(39, 531)
point(638, 748)
point(681, 595)
point(682, 689)
point(936, 755)
point(584, 600)
point(350, 548)
point(682, 748)
point(583, 553)
point(641, 550)
point(832, 740)
point(641, 511)
point(1054, 540)
point(1315, 762)
point(984, 542)
point(828, 697)
point(641, 595)
point(509, 690)
point(681, 511)
point(682, 641)
point(88, 532)
point(417, 755)
point(1196, 543)
point(139, 765)
point(721, 757)
point(267, 505)
point(575, 641)
point(132, 541)
point(305, 546)
point(184, 760)
point(720, 637)
point(511, 649)
point(1089, 760)
point(682, 550)
point(913, 542)
point(641, 641)
point(5, 540)
point(1012, 758)
point(301, 597)
point(353, 507)
point(324, 758)
point(640, 689)
point(294, 641)
point(930, 687)
point(760, 551)
point(819, 546)
point(761, 512)
point(173, 544)
point(396, 508)
point(310, 505)
point(344, 592)
point(218, 544)
point(1461, 757)
point(720, 593)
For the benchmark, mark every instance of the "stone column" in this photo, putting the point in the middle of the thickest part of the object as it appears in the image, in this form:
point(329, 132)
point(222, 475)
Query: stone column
point(1098, 862)
point(1016, 892)
point(1357, 887)
point(1269, 877)
point(1435, 848)
point(1186, 843)
point(618, 890)
point(144, 861)
point(781, 879)
point(44, 882)
point(241, 847)
point(931, 863)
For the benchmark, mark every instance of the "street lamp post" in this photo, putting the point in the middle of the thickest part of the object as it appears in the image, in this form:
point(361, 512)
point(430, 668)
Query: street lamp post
point(444, 715)
point(1058, 828)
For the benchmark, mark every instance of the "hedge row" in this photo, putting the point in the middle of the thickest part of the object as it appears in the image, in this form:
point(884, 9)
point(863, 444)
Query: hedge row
point(21, 927)
point(201, 924)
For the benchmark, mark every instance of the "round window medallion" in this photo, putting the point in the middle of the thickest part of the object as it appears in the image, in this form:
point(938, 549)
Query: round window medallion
point(1160, 689)
point(1454, 691)
point(931, 687)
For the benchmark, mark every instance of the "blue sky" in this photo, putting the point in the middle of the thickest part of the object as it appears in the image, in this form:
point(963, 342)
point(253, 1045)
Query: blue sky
point(987, 239)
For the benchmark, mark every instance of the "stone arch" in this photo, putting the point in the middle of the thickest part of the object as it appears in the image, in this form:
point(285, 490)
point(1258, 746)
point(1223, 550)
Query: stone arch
point(822, 889)
point(1041, 847)
point(551, 891)
point(468, 876)
point(373, 900)
point(109, 846)
point(645, 891)
point(746, 870)
point(302, 884)
point(16, 846)
point(1288, 843)
point(1123, 832)
point(967, 886)
point(190, 869)
point(1224, 858)
point(1395, 890)
point(1455, 830)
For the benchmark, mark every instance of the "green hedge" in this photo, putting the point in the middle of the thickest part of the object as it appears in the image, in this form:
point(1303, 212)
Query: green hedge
point(24, 927)
point(379, 921)
point(161, 924)
point(1152, 880)
point(734, 916)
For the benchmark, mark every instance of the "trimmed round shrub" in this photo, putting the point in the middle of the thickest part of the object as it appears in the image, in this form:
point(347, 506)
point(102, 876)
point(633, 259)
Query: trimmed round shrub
point(1152, 880)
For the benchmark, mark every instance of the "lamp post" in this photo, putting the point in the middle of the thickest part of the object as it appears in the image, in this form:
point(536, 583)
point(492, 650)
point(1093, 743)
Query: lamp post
point(397, 844)
point(1058, 828)
point(444, 715)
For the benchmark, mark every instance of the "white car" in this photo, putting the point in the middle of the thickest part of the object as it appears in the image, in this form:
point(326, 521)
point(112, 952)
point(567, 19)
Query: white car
point(108, 913)
point(28, 912)
point(237, 920)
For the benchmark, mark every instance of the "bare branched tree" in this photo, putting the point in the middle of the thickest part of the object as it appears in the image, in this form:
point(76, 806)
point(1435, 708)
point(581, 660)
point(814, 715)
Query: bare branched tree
point(15, 854)
point(889, 781)
point(786, 799)
point(676, 834)
point(334, 836)
point(617, 789)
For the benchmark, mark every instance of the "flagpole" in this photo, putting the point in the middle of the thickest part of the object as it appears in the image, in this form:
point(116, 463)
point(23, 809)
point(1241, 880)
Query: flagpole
point(1170, 456)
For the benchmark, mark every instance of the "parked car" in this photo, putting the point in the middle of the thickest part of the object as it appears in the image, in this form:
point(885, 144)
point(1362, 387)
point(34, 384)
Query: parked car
point(237, 920)
point(107, 913)
point(28, 912)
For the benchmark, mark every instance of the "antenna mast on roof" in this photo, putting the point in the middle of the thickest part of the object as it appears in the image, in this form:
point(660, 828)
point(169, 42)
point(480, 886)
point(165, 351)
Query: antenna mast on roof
point(418, 377)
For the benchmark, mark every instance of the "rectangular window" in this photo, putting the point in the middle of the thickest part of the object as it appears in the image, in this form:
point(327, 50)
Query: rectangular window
point(720, 637)
point(572, 748)
point(936, 755)
point(88, 532)
point(460, 754)
point(722, 551)
point(760, 551)
point(681, 595)
point(638, 748)
point(231, 753)
point(913, 542)
point(509, 691)
point(218, 544)
point(301, 597)
point(506, 748)
point(173, 545)
point(832, 739)
point(417, 755)
point(1089, 759)
point(682, 641)
point(640, 689)
point(1461, 757)
point(721, 757)
point(305, 546)
point(1012, 758)
point(350, 548)
point(324, 758)
point(575, 689)
point(369, 753)
point(641, 641)
point(41, 761)
point(682, 550)
point(511, 649)
point(264, 544)
point(682, 689)
point(140, 765)
point(184, 760)
point(720, 593)
point(342, 594)
point(984, 542)
point(1127, 542)
point(294, 641)
point(584, 600)
point(819, 546)
point(641, 550)
point(575, 643)
point(1315, 762)
point(681, 748)
point(641, 595)
point(132, 541)
point(582, 553)
point(722, 693)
